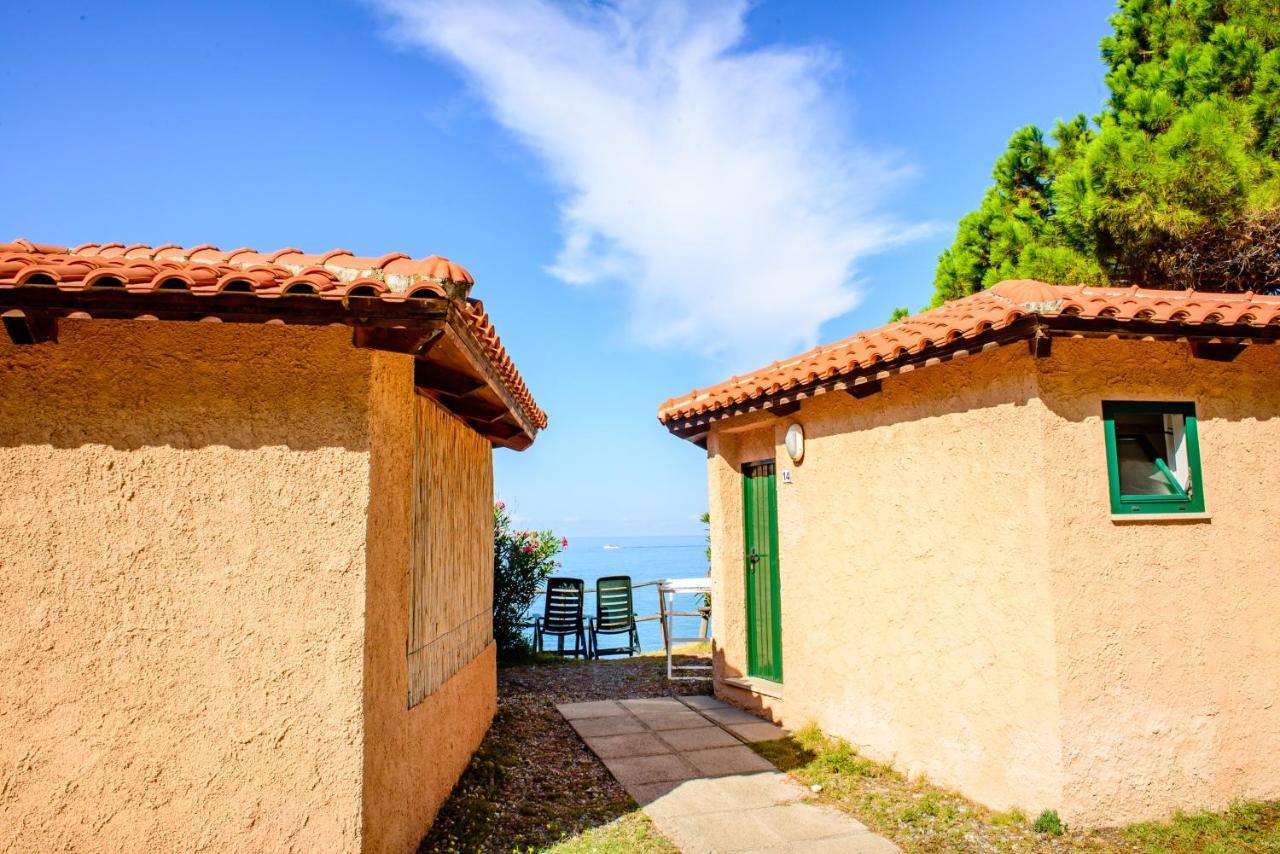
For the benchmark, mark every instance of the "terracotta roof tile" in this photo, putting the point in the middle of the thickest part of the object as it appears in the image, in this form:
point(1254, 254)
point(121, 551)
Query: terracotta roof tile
point(207, 270)
point(951, 324)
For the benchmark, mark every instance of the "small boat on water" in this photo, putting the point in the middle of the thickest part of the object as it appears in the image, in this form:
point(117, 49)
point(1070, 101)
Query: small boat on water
point(611, 546)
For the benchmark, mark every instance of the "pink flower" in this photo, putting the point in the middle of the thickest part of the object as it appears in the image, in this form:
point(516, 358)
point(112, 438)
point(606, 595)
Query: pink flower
point(528, 550)
point(501, 505)
point(564, 542)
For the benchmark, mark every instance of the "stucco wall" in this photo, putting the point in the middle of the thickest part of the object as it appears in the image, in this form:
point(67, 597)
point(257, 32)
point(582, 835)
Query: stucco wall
point(957, 600)
point(413, 756)
point(917, 615)
point(182, 588)
point(204, 595)
point(1168, 633)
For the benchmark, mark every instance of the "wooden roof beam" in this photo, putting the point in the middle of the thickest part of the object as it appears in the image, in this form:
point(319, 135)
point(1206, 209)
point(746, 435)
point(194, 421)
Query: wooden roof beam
point(30, 328)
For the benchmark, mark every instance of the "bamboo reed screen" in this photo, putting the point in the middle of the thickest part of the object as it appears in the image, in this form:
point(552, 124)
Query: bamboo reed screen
point(451, 550)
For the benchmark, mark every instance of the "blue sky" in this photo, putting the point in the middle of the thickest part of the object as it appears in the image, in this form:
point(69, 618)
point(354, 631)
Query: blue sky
point(650, 198)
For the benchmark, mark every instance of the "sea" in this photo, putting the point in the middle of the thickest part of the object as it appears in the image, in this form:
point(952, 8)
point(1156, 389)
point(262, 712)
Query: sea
point(644, 559)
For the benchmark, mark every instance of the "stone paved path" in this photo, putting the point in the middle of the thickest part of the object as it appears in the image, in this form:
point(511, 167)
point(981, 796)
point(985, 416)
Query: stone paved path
point(686, 762)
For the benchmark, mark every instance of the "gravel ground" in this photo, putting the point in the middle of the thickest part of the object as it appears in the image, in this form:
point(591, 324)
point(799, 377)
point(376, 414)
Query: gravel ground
point(533, 783)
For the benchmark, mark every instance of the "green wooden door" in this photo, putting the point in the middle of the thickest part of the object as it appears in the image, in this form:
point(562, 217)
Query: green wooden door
point(764, 603)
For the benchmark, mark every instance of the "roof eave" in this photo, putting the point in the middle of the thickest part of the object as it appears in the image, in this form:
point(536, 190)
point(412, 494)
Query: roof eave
point(1223, 341)
point(412, 326)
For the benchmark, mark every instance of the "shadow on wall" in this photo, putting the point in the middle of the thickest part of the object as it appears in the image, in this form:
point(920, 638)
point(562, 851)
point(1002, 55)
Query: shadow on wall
point(1006, 376)
point(131, 384)
point(1081, 373)
point(1072, 381)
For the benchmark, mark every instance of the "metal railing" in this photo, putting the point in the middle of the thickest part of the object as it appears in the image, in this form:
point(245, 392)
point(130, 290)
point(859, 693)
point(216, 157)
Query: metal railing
point(703, 613)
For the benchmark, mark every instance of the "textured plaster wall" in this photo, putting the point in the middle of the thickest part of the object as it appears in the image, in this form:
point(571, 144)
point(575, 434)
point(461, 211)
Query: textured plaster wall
point(957, 600)
point(412, 757)
point(1168, 633)
point(182, 588)
point(204, 596)
point(917, 613)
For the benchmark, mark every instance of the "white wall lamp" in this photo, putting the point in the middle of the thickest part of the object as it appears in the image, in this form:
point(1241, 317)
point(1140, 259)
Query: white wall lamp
point(795, 443)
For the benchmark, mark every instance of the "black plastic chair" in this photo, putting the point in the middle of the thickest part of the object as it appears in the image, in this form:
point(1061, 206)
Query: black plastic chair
point(615, 615)
point(562, 617)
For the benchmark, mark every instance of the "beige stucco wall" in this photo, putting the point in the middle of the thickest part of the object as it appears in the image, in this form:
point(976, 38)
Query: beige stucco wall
point(413, 756)
point(957, 601)
point(1168, 634)
point(197, 530)
point(914, 620)
point(181, 588)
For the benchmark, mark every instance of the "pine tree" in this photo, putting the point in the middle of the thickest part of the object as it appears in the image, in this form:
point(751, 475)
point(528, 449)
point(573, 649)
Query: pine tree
point(1175, 184)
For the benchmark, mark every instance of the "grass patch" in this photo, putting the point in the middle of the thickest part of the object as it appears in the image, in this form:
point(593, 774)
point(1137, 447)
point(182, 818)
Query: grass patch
point(922, 817)
point(633, 832)
point(1245, 827)
point(916, 815)
point(1013, 818)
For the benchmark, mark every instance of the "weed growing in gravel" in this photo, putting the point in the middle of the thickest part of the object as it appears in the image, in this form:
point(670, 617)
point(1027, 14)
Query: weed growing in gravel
point(1048, 822)
point(1242, 827)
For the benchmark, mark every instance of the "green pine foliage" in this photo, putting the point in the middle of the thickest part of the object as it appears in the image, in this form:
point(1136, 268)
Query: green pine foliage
point(1175, 184)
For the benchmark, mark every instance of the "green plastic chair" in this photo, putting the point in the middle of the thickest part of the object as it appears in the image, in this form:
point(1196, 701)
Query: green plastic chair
point(562, 617)
point(615, 615)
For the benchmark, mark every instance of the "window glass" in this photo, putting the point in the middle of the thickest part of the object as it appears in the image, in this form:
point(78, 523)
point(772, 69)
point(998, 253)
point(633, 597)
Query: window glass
point(1151, 454)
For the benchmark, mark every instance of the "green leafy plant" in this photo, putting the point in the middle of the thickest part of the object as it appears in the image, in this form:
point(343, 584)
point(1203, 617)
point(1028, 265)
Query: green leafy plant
point(705, 519)
point(1048, 822)
point(522, 560)
point(1176, 183)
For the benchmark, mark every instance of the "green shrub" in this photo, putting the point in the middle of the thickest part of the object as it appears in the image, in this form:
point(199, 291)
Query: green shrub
point(522, 560)
point(1048, 822)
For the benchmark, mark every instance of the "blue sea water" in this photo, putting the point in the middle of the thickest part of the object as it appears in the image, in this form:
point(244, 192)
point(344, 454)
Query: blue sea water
point(644, 559)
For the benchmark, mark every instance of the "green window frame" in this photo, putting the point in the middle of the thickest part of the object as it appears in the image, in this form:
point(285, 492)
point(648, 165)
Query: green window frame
point(1182, 499)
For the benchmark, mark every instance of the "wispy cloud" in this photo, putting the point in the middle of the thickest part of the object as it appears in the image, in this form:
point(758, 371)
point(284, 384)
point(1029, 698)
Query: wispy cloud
point(718, 183)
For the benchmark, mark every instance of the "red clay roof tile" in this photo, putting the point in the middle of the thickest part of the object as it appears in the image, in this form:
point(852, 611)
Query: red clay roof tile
point(205, 270)
point(966, 318)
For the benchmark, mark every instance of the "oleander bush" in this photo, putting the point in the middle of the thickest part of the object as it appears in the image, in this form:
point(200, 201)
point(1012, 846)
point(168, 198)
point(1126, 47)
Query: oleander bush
point(522, 560)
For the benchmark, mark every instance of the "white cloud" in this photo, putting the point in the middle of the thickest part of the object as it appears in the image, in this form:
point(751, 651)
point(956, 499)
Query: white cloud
point(719, 183)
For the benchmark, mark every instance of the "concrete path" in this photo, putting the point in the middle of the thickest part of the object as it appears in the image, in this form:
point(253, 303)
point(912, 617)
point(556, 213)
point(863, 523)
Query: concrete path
point(686, 762)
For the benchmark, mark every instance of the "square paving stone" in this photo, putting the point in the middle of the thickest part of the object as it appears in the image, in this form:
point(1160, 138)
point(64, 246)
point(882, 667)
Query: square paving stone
point(698, 738)
point(702, 701)
point(633, 744)
point(634, 770)
point(611, 725)
point(732, 715)
point(721, 761)
point(720, 794)
point(724, 830)
point(652, 794)
point(759, 731)
point(593, 709)
point(802, 822)
point(864, 842)
point(654, 705)
point(675, 720)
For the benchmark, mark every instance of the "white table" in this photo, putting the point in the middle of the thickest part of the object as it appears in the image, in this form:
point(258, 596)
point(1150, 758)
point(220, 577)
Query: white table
point(668, 590)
